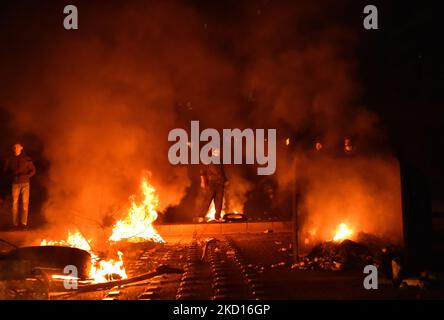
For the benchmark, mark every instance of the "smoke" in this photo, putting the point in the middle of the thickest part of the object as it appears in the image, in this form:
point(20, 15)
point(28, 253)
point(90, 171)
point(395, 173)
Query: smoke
point(236, 191)
point(306, 84)
point(103, 101)
point(363, 192)
point(103, 98)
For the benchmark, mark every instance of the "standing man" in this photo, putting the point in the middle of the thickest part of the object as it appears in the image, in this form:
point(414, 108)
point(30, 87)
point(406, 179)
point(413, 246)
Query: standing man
point(20, 168)
point(212, 181)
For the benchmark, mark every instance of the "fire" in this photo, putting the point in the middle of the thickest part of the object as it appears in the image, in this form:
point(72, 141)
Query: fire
point(211, 214)
point(287, 141)
point(106, 269)
point(343, 232)
point(75, 240)
point(101, 270)
point(138, 224)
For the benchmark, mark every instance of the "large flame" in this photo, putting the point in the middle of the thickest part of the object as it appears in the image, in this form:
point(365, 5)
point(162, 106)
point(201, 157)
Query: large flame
point(101, 270)
point(343, 232)
point(211, 214)
point(138, 224)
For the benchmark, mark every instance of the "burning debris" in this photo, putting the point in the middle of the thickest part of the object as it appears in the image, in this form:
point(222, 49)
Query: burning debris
point(336, 255)
point(343, 232)
point(136, 227)
point(101, 270)
point(342, 254)
point(28, 262)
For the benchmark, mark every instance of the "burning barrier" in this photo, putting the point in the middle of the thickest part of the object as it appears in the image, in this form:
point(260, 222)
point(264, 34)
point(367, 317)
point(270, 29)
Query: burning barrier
point(137, 226)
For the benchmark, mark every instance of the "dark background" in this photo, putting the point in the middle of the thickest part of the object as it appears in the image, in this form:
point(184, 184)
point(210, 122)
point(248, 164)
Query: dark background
point(402, 72)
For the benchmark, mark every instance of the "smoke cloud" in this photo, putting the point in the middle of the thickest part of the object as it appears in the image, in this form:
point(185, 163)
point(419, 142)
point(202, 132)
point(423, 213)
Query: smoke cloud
point(102, 100)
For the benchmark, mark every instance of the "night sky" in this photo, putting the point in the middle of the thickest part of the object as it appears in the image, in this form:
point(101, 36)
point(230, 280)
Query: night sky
point(402, 69)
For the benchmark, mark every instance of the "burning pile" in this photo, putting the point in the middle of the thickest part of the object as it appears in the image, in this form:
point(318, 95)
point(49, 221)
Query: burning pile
point(343, 232)
point(101, 270)
point(342, 253)
point(136, 227)
point(337, 255)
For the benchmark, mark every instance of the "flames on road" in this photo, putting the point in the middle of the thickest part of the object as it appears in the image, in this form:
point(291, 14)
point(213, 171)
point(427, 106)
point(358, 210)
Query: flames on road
point(211, 213)
point(137, 226)
point(101, 269)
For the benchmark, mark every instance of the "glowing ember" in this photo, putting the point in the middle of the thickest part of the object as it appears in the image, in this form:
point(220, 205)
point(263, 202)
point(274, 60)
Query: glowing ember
point(287, 141)
point(138, 225)
point(343, 232)
point(101, 270)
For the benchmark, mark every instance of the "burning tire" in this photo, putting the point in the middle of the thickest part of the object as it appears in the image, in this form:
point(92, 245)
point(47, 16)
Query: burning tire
point(21, 262)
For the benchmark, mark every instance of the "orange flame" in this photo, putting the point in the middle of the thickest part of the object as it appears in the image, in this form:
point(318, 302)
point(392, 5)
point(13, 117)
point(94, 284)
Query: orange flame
point(138, 225)
point(101, 270)
point(74, 240)
point(104, 270)
point(342, 232)
point(211, 214)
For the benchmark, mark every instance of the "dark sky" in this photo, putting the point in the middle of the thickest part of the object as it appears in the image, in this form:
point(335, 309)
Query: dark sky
point(403, 73)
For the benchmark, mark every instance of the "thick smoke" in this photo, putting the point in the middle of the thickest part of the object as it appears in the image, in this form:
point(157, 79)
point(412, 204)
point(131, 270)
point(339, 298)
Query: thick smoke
point(103, 98)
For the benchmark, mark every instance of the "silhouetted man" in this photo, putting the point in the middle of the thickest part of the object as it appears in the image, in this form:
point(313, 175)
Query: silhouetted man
point(20, 168)
point(212, 181)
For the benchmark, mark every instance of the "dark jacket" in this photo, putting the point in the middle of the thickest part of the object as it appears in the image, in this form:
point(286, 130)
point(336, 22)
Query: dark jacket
point(213, 173)
point(19, 168)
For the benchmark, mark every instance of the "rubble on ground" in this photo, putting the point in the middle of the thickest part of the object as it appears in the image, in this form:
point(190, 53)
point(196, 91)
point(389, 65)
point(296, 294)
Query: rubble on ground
point(348, 255)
